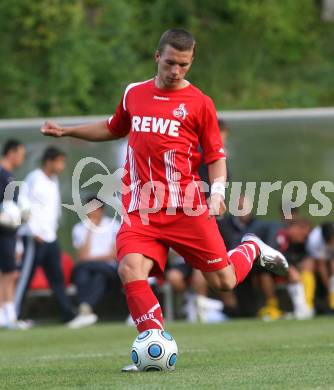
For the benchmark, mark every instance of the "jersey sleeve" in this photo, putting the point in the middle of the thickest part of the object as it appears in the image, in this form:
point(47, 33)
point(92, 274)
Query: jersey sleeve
point(119, 124)
point(209, 133)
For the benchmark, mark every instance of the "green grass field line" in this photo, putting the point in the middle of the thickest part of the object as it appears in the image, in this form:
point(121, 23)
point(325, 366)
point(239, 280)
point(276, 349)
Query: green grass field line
point(244, 354)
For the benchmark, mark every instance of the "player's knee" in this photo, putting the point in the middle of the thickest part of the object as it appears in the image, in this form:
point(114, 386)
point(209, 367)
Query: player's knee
point(131, 269)
point(125, 272)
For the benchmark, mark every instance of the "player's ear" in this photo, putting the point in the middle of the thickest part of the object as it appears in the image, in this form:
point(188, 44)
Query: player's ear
point(157, 56)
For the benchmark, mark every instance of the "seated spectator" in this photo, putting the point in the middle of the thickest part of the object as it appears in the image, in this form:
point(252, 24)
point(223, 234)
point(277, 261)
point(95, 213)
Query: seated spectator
point(96, 271)
point(189, 282)
point(291, 241)
point(178, 275)
point(320, 246)
point(233, 228)
point(266, 280)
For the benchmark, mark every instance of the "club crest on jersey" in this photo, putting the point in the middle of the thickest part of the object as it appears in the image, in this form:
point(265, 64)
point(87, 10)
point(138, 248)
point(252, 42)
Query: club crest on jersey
point(181, 111)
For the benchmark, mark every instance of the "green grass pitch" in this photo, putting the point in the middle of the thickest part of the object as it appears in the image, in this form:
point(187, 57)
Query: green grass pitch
point(243, 354)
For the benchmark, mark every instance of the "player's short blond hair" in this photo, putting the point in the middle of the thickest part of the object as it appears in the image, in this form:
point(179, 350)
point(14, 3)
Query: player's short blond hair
point(178, 38)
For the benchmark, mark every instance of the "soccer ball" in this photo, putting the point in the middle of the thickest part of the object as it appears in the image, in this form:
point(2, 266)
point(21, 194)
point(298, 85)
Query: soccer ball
point(154, 350)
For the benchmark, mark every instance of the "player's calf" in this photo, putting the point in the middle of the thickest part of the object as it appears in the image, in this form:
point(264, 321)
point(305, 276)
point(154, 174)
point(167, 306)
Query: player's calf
point(221, 280)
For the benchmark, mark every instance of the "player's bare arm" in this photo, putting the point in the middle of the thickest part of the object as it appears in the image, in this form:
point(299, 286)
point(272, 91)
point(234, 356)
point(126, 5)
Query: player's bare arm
point(95, 132)
point(217, 177)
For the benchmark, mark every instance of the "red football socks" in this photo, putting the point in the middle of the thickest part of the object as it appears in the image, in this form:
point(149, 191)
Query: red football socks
point(143, 305)
point(242, 257)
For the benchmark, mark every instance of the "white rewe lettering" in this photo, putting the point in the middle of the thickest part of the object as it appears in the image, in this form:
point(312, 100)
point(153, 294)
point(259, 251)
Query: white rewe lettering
point(149, 124)
point(135, 123)
point(159, 125)
point(174, 128)
point(145, 124)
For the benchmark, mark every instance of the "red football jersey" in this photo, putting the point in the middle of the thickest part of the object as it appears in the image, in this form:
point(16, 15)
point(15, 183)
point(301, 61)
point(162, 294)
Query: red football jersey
point(165, 130)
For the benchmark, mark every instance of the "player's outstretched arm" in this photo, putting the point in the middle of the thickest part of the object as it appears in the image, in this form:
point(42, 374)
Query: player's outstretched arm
point(95, 132)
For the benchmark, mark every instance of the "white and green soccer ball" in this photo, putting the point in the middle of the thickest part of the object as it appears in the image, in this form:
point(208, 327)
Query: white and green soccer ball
point(154, 350)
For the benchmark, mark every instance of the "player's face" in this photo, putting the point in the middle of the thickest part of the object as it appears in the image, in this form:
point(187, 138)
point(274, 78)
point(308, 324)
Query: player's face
point(173, 65)
point(58, 165)
point(19, 156)
point(96, 215)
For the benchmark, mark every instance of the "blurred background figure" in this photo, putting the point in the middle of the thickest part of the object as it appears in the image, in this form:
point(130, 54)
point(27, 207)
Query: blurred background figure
point(241, 301)
point(96, 271)
point(179, 275)
point(209, 305)
point(291, 240)
point(320, 246)
point(13, 154)
point(192, 288)
point(40, 231)
point(267, 283)
point(234, 227)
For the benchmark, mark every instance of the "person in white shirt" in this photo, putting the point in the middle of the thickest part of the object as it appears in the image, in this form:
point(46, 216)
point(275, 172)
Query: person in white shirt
point(320, 246)
point(96, 272)
point(40, 231)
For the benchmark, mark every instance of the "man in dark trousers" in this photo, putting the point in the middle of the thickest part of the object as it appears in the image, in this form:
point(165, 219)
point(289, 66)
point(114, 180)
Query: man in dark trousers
point(40, 232)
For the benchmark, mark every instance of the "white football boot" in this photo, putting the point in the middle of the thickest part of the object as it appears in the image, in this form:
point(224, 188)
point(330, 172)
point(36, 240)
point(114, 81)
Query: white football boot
point(130, 368)
point(269, 258)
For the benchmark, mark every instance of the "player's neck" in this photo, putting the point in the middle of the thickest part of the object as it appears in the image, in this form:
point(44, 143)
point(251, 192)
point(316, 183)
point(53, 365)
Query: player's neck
point(161, 85)
point(47, 171)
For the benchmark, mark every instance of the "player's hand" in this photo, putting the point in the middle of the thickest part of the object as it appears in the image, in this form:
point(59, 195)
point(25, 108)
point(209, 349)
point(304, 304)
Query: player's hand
point(216, 205)
point(52, 129)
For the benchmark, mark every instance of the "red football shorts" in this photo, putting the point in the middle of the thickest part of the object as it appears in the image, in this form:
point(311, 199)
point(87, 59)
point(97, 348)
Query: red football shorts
point(195, 238)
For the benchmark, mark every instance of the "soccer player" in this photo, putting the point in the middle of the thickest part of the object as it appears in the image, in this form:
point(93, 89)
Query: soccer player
point(13, 155)
point(167, 119)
